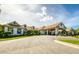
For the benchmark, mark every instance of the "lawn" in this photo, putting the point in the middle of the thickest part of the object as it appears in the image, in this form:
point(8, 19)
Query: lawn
point(71, 41)
point(76, 36)
point(12, 38)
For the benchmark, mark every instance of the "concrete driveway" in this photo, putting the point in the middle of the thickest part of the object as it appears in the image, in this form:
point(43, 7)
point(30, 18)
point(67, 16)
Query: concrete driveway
point(36, 45)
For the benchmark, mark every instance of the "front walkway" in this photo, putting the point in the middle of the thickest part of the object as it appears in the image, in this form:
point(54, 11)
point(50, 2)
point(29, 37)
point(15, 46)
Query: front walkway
point(36, 44)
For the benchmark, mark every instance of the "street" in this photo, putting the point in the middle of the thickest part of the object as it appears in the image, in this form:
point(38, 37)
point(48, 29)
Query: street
point(42, 44)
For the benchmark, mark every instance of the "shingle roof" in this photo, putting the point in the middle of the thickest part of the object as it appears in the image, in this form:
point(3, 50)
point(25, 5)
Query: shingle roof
point(69, 29)
point(14, 23)
point(53, 26)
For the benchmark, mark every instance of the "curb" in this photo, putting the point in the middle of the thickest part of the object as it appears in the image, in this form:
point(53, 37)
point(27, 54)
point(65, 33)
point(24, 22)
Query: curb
point(67, 44)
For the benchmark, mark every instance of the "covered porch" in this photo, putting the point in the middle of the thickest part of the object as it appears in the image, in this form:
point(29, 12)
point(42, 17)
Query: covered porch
point(55, 31)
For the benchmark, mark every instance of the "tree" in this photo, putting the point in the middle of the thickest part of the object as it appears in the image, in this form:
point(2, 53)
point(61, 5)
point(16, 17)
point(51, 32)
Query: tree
point(77, 31)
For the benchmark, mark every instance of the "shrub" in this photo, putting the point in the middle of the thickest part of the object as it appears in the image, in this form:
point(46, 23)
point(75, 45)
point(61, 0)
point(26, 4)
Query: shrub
point(7, 34)
point(1, 34)
point(36, 32)
point(32, 32)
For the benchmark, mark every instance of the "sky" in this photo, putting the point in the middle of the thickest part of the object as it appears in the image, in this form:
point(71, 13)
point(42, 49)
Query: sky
point(40, 14)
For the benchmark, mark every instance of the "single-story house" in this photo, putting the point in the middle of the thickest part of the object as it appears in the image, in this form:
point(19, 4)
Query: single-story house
point(14, 28)
point(54, 29)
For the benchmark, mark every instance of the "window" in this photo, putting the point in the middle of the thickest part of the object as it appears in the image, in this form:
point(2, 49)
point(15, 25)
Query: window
point(19, 31)
point(10, 29)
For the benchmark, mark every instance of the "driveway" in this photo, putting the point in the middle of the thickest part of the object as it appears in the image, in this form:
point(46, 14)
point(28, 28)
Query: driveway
point(36, 45)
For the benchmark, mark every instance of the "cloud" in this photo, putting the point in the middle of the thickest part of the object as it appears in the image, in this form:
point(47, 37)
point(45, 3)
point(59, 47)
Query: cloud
point(72, 22)
point(20, 13)
point(59, 13)
point(44, 10)
point(44, 15)
point(47, 18)
point(38, 15)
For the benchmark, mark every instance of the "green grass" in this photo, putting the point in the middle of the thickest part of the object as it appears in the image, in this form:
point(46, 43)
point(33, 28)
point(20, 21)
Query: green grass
point(13, 38)
point(76, 36)
point(71, 41)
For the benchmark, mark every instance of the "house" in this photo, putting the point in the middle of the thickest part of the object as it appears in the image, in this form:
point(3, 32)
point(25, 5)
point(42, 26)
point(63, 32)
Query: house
point(54, 29)
point(30, 27)
point(70, 31)
point(14, 28)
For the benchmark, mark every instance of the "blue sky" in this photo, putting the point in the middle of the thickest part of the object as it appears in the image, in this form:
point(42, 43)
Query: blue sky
point(41, 14)
point(72, 7)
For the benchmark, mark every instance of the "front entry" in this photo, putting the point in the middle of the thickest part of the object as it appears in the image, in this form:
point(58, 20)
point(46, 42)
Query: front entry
point(62, 33)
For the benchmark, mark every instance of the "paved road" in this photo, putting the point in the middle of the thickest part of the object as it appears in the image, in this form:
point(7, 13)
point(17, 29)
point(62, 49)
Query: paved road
point(36, 44)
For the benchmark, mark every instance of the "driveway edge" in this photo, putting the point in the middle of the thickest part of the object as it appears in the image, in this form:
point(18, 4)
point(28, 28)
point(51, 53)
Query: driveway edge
point(67, 44)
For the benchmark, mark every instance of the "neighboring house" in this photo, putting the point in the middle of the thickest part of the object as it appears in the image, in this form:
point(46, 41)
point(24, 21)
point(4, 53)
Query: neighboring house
point(54, 29)
point(70, 31)
point(30, 27)
point(14, 28)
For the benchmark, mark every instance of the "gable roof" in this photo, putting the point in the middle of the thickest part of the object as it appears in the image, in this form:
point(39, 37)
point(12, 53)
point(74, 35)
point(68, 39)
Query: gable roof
point(52, 26)
point(14, 23)
point(69, 29)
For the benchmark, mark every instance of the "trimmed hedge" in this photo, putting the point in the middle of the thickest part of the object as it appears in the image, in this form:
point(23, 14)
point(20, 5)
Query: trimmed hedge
point(5, 34)
point(33, 32)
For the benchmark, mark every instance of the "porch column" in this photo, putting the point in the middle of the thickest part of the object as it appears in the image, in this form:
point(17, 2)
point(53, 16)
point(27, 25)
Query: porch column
point(56, 31)
point(47, 32)
point(15, 31)
point(22, 31)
